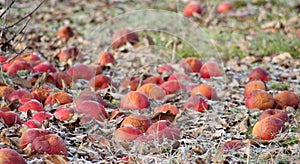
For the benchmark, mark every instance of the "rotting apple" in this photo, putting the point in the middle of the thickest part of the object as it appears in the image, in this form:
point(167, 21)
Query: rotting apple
point(259, 74)
point(100, 82)
point(32, 104)
point(196, 103)
point(192, 8)
point(268, 128)
point(224, 7)
point(260, 99)
point(10, 118)
point(211, 69)
point(205, 90)
point(275, 113)
point(10, 156)
point(123, 36)
point(287, 98)
point(127, 133)
point(134, 100)
point(254, 85)
point(191, 64)
point(65, 32)
point(138, 121)
point(152, 91)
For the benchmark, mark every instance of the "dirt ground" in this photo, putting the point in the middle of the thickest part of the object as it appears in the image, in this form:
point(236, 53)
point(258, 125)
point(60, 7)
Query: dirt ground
point(255, 34)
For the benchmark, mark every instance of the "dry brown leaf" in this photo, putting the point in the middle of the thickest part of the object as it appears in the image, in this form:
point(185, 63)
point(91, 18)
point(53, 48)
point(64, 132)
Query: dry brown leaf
point(163, 116)
point(56, 159)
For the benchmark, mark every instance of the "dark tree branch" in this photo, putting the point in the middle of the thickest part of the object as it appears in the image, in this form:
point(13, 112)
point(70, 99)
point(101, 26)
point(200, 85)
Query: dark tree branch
point(26, 16)
point(7, 42)
point(20, 31)
point(9, 6)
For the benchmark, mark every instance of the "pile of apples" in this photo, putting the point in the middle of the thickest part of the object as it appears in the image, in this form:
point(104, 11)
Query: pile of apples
point(34, 102)
point(50, 90)
point(272, 120)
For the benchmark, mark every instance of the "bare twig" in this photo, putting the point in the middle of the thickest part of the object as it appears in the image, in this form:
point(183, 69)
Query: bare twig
point(26, 16)
point(20, 31)
point(9, 6)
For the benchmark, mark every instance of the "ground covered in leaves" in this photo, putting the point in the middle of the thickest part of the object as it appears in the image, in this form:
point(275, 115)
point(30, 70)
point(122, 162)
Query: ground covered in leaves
point(255, 34)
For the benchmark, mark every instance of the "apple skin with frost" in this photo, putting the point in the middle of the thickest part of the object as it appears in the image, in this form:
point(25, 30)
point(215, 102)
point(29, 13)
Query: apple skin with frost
point(268, 128)
point(10, 156)
point(134, 100)
point(260, 99)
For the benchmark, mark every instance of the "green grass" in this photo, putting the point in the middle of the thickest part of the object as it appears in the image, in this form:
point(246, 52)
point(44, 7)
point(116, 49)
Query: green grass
point(266, 44)
point(279, 86)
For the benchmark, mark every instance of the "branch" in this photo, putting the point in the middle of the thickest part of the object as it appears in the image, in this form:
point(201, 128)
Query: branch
point(20, 31)
point(26, 16)
point(9, 6)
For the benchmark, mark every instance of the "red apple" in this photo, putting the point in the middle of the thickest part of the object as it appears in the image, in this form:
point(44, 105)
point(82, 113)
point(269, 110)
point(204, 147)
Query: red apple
point(192, 8)
point(32, 58)
point(50, 144)
point(259, 74)
point(191, 64)
point(130, 82)
point(40, 93)
point(63, 114)
point(205, 90)
point(32, 104)
point(30, 134)
point(167, 107)
point(44, 67)
point(100, 82)
point(287, 98)
point(70, 53)
point(211, 69)
point(275, 113)
point(224, 7)
point(10, 156)
point(260, 99)
point(165, 68)
point(152, 91)
point(196, 103)
point(10, 118)
point(81, 71)
point(179, 77)
point(92, 108)
point(58, 98)
point(41, 116)
point(66, 32)
point(159, 130)
point(254, 85)
point(106, 58)
point(121, 37)
point(171, 86)
point(268, 128)
point(3, 59)
point(62, 79)
point(89, 95)
point(32, 124)
point(134, 100)
point(16, 65)
point(154, 80)
point(138, 121)
point(127, 133)
point(5, 91)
